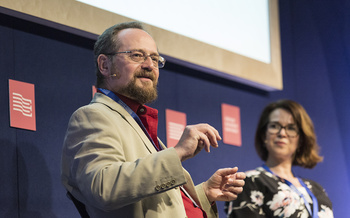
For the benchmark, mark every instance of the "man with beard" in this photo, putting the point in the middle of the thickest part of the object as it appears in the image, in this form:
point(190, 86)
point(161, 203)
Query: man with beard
point(113, 164)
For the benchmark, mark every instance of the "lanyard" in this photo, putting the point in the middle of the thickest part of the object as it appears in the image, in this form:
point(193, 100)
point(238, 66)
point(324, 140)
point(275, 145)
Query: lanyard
point(131, 112)
point(313, 213)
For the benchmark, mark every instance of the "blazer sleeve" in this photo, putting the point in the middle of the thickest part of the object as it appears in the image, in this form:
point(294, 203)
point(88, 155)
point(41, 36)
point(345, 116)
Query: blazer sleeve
point(106, 164)
point(210, 209)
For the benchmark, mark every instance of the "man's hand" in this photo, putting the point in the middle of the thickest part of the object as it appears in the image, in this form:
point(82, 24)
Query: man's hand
point(224, 185)
point(195, 138)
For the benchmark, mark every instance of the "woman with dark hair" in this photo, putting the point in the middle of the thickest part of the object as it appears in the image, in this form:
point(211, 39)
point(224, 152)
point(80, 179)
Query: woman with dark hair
point(284, 138)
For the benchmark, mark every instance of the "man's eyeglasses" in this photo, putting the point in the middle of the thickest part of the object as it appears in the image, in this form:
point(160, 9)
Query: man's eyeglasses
point(140, 57)
point(291, 129)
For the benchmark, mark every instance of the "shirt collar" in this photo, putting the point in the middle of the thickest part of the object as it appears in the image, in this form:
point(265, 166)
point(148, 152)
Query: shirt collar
point(138, 108)
point(133, 105)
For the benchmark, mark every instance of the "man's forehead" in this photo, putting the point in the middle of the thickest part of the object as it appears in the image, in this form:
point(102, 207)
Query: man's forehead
point(136, 39)
point(134, 34)
point(132, 30)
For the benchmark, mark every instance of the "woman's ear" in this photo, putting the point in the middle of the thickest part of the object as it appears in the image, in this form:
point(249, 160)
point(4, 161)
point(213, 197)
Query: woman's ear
point(264, 140)
point(104, 64)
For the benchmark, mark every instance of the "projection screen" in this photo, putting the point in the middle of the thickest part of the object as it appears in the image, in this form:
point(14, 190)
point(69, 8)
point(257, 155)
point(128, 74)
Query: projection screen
point(237, 40)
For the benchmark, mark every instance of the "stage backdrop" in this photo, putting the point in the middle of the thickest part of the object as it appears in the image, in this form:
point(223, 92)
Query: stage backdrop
point(315, 60)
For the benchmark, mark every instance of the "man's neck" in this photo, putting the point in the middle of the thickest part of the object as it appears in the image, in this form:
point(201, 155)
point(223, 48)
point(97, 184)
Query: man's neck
point(134, 105)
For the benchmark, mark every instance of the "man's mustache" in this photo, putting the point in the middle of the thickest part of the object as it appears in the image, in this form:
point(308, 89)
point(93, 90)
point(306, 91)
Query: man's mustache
point(147, 74)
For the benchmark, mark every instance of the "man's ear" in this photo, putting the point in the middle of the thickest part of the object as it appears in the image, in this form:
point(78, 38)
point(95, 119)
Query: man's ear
point(104, 64)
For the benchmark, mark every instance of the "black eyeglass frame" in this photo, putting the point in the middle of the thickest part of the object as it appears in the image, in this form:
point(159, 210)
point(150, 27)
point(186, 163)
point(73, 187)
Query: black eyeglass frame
point(280, 127)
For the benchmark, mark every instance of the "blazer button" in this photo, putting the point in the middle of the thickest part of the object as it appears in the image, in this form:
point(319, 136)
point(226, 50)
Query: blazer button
point(157, 187)
point(168, 184)
point(163, 186)
point(173, 181)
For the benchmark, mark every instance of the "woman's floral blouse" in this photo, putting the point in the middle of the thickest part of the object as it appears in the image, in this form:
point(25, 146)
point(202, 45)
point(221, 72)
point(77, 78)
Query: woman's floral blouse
point(265, 195)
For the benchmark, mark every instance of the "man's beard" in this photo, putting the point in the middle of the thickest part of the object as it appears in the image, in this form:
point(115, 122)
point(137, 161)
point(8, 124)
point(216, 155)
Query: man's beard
point(139, 94)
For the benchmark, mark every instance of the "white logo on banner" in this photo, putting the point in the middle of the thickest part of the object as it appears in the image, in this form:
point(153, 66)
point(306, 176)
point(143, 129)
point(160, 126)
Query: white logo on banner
point(22, 105)
point(231, 125)
point(175, 130)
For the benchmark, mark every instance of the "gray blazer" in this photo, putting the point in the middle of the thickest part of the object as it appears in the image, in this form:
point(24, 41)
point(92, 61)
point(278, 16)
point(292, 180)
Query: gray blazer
point(110, 165)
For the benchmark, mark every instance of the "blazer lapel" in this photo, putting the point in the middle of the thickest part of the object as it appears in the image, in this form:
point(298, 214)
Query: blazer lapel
point(190, 189)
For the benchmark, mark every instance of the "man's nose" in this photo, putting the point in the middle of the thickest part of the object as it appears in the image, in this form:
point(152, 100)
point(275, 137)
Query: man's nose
point(148, 63)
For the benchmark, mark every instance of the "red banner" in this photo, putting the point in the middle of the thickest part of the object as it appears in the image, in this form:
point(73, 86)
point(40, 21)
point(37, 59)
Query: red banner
point(231, 125)
point(22, 105)
point(94, 90)
point(175, 125)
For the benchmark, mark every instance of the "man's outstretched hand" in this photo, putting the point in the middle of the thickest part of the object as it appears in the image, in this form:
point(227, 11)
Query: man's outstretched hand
point(224, 185)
